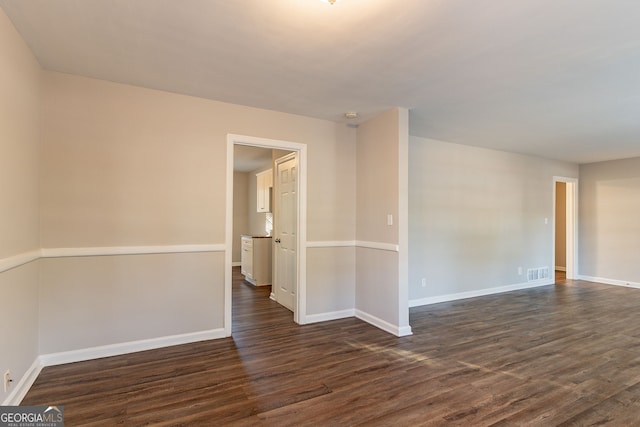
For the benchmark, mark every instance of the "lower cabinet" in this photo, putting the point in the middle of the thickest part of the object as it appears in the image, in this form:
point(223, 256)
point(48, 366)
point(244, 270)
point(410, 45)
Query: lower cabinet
point(256, 260)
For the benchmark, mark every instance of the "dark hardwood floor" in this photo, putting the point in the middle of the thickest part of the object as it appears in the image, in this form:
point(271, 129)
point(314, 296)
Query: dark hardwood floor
point(567, 354)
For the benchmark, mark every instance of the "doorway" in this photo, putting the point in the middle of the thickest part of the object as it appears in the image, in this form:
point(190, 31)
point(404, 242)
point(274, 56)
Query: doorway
point(565, 257)
point(298, 280)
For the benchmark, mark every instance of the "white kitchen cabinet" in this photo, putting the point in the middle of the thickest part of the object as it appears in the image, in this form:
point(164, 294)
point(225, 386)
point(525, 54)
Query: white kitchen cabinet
point(256, 260)
point(264, 185)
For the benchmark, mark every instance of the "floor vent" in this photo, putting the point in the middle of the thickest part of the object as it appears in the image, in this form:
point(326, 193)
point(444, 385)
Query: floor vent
point(534, 274)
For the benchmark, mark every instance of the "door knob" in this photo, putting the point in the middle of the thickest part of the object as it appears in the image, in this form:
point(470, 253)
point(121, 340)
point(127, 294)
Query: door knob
point(277, 240)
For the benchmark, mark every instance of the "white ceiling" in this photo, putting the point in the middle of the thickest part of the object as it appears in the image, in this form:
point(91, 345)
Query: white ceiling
point(552, 78)
point(248, 159)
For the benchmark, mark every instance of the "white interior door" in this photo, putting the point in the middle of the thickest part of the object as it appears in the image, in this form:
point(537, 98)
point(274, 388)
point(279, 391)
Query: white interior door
point(286, 224)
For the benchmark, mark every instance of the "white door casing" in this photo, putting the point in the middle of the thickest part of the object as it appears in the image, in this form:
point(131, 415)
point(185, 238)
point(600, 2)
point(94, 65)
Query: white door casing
point(299, 314)
point(285, 239)
point(572, 225)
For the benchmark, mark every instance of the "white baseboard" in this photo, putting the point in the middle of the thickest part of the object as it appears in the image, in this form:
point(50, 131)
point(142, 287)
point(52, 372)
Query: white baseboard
point(127, 347)
point(404, 331)
point(558, 268)
point(25, 383)
point(236, 264)
point(333, 315)
point(399, 331)
point(614, 282)
point(478, 293)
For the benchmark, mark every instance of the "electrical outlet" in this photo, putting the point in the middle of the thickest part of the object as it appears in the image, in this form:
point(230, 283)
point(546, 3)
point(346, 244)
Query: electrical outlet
point(519, 271)
point(7, 380)
point(424, 282)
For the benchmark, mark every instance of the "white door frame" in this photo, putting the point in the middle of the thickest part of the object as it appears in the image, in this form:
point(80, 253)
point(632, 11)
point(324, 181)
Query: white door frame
point(572, 225)
point(299, 314)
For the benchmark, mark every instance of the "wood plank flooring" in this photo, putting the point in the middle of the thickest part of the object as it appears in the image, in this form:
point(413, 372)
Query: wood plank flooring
point(567, 354)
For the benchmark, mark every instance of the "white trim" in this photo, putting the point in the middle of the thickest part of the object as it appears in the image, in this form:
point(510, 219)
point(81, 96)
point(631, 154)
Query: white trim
point(22, 387)
point(614, 282)
point(255, 141)
point(236, 264)
point(353, 243)
point(383, 324)
point(18, 260)
point(228, 239)
point(378, 245)
point(405, 331)
point(571, 225)
point(333, 315)
point(129, 250)
point(558, 268)
point(478, 293)
point(27, 380)
point(299, 314)
point(332, 244)
point(403, 222)
point(128, 347)
point(27, 257)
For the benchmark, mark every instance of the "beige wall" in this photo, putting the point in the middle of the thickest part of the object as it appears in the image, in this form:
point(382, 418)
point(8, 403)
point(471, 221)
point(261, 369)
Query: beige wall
point(131, 166)
point(377, 165)
point(561, 225)
point(18, 322)
point(331, 278)
point(377, 178)
point(90, 301)
point(240, 212)
point(127, 166)
point(476, 215)
point(19, 232)
point(609, 226)
point(19, 136)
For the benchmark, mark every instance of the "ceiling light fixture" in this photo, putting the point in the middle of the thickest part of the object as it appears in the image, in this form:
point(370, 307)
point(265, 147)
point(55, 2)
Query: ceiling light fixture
point(330, 1)
point(351, 115)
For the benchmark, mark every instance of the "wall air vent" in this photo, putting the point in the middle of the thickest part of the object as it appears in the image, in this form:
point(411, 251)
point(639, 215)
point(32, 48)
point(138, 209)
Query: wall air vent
point(543, 273)
point(535, 274)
